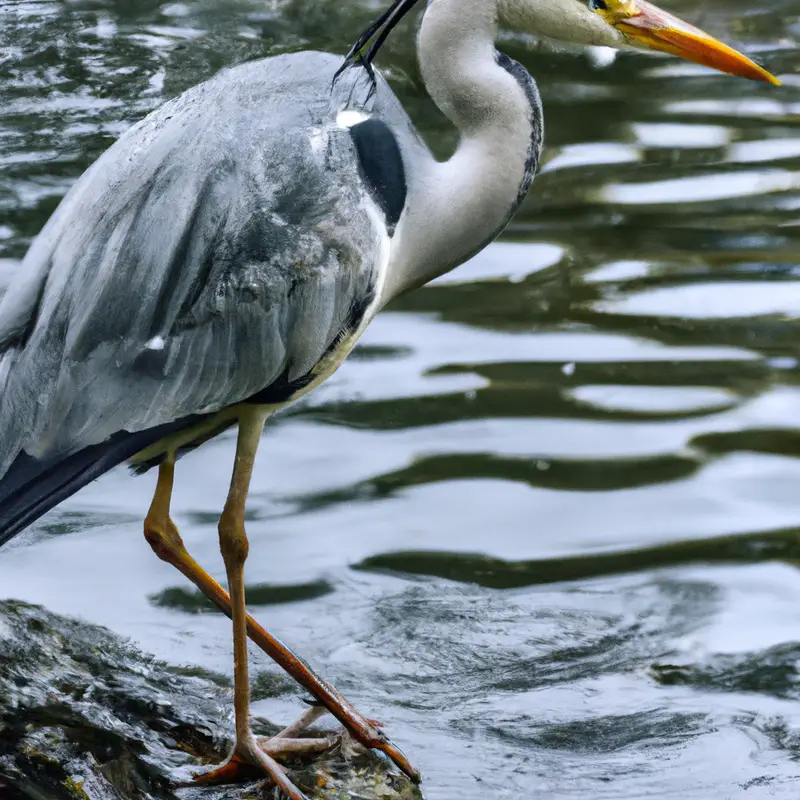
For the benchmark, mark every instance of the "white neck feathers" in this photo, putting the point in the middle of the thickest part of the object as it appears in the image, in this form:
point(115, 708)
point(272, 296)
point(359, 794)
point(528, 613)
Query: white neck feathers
point(459, 205)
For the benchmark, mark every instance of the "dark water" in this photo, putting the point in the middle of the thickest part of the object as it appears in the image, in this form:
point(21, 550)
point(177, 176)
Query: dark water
point(546, 521)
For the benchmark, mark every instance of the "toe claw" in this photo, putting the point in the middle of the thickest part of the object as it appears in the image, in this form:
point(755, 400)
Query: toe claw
point(399, 759)
point(372, 736)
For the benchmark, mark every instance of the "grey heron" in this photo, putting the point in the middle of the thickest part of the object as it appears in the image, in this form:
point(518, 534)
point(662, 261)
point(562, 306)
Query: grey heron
point(223, 257)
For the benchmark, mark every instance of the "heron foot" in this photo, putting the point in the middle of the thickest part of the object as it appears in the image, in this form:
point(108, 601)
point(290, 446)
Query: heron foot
point(253, 758)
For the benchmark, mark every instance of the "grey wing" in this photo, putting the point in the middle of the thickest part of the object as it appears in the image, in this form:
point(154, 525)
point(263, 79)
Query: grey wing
point(210, 253)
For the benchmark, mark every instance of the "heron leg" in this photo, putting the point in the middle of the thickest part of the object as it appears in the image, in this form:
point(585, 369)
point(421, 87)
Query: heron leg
point(248, 758)
point(163, 537)
point(234, 547)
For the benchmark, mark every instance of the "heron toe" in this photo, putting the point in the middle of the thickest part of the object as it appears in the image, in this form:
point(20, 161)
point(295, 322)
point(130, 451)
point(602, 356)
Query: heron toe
point(253, 758)
point(249, 762)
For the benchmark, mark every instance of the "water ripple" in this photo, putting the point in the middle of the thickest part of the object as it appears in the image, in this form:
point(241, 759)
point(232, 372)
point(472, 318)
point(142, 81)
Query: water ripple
point(545, 522)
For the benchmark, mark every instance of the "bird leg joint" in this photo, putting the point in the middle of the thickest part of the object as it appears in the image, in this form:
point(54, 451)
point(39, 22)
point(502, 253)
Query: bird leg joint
point(160, 531)
point(233, 540)
point(163, 538)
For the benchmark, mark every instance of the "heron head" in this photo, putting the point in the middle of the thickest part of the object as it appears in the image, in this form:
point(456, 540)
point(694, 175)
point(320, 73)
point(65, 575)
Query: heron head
point(627, 23)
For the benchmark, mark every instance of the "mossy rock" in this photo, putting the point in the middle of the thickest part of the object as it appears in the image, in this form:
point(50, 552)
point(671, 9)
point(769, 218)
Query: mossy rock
point(85, 716)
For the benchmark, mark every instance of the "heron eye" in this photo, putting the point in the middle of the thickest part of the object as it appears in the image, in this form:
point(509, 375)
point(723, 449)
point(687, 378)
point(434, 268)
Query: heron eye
point(598, 5)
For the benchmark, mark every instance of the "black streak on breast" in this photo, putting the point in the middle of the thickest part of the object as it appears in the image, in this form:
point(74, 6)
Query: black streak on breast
point(281, 390)
point(381, 167)
point(528, 85)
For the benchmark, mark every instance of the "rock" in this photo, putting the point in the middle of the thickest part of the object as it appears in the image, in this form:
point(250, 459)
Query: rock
point(85, 716)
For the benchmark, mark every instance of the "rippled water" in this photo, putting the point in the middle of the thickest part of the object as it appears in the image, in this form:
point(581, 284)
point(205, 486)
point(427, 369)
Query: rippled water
point(545, 521)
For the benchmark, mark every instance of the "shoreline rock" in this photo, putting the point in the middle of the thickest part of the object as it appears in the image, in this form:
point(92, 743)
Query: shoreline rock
point(85, 716)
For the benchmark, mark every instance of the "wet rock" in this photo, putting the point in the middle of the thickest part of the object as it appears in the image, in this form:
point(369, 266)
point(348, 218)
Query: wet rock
point(85, 716)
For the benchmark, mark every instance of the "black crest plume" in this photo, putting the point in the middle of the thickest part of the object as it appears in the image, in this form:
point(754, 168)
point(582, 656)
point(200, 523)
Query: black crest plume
point(365, 49)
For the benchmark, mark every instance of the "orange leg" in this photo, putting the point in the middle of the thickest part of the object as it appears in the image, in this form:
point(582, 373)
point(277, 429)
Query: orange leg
point(163, 537)
point(247, 756)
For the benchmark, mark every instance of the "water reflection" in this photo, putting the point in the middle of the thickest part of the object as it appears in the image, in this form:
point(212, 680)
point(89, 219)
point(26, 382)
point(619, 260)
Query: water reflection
point(544, 523)
point(495, 573)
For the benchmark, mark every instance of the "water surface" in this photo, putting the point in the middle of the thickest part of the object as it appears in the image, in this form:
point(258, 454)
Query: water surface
point(545, 522)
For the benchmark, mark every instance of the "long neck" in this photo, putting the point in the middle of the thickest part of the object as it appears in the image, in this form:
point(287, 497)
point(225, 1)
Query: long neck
point(457, 206)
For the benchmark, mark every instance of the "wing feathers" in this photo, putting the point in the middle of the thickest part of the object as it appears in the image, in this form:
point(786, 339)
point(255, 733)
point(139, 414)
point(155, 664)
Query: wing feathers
point(210, 252)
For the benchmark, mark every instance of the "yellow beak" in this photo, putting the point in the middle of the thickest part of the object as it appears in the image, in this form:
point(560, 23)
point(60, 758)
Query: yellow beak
point(645, 25)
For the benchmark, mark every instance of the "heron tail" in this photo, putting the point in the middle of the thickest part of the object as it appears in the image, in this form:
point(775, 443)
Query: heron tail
point(30, 487)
